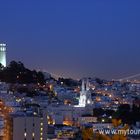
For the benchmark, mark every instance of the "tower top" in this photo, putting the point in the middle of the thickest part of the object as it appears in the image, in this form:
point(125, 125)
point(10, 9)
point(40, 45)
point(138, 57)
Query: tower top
point(83, 85)
point(2, 45)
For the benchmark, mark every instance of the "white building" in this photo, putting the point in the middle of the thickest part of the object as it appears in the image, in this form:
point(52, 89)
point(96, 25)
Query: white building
point(101, 126)
point(86, 120)
point(85, 95)
point(69, 114)
point(64, 114)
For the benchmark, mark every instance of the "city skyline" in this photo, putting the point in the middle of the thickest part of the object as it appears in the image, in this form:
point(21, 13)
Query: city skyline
point(73, 39)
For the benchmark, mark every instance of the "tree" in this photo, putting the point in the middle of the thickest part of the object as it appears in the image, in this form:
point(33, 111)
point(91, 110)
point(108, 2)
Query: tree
point(16, 72)
point(116, 122)
point(124, 113)
point(98, 112)
point(1, 67)
point(87, 134)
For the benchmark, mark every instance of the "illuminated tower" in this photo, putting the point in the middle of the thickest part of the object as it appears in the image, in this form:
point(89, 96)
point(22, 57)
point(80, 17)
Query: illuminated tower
point(3, 54)
point(82, 100)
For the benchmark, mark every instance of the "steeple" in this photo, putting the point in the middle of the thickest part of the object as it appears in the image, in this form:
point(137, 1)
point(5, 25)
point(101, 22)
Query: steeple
point(87, 85)
point(83, 85)
point(85, 95)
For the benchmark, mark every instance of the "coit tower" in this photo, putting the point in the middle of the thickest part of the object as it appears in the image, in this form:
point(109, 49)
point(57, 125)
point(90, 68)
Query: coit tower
point(3, 54)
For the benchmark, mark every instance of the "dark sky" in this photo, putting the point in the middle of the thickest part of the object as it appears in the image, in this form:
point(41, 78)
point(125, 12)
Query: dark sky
point(73, 37)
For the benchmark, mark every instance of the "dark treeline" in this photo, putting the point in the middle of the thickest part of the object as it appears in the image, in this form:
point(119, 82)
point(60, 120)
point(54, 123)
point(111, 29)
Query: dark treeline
point(16, 72)
point(68, 82)
point(128, 115)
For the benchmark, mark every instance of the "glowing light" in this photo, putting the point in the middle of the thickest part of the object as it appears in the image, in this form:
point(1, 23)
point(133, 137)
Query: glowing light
point(33, 134)
point(62, 83)
point(103, 120)
point(110, 96)
point(88, 101)
point(18, 100)
point(68, 123)
point(51, 87)
point(35, 113)
point(53, 122)
point(25, 134)
point(41, 134)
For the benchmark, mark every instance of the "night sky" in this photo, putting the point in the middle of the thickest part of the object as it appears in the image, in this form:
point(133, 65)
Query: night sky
point(73, 38)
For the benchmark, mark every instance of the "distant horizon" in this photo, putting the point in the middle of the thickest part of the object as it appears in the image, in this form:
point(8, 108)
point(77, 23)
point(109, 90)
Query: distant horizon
point(74, 38)
point(61, 76)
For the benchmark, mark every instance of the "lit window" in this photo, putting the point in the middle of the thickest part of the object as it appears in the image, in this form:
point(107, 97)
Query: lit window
point(41, 129)
point(33, 134)
point(25, 134)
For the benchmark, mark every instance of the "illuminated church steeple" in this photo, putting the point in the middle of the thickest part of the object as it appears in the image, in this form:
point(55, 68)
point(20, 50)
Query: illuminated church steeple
point(85, 94)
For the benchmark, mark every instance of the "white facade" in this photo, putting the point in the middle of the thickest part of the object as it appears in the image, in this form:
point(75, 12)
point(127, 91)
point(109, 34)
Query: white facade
point(3, 54)
point(101, 126)
point(86, 120)
point(64, 113)
point(85, 95)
